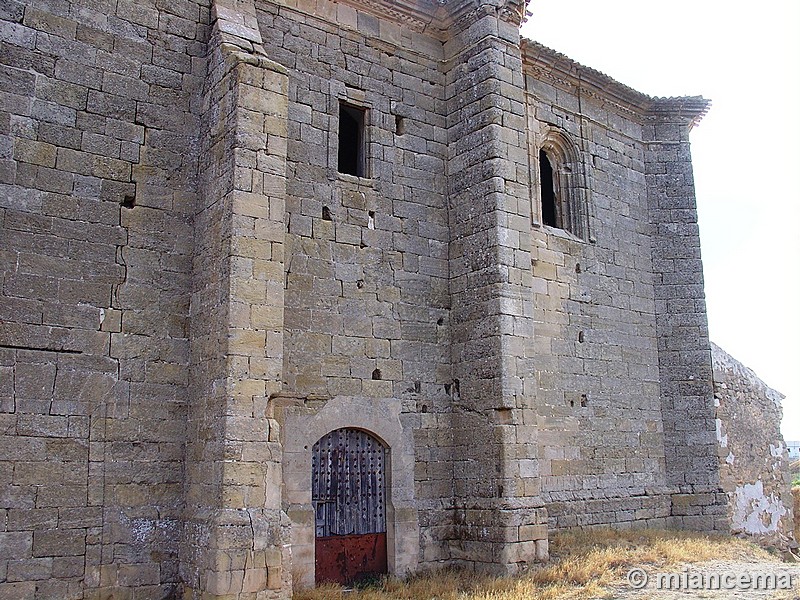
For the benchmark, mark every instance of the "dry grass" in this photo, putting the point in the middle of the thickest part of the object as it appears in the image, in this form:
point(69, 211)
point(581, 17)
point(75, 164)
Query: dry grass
point(796, 494)
point(584, 564)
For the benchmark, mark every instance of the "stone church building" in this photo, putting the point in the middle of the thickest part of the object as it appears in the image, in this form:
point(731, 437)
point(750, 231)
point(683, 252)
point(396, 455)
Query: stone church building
point(296, 290)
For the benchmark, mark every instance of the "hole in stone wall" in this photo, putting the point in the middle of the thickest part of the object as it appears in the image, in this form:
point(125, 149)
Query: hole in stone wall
point(376, 374)
point(549, 214)
point(580, 337)
point(351, 140)
point(584, 400)
point(371, 221)
point(128, 202)
point(326, 214)
point(440, 321)
point(399, 125)
point(572, 403)
point(504, 416)
point(360, 283)
point(424, 408)
point(417, 387)
point(577, 267)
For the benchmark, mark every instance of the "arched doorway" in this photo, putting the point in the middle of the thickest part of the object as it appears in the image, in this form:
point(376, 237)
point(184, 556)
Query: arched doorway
point(348, 492)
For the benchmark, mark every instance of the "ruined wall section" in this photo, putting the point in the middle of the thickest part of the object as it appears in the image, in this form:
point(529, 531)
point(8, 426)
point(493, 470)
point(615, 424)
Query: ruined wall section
point(754, 462)
point(98, 159)
point(684, 355)
point(598, 404)
point(366, 268)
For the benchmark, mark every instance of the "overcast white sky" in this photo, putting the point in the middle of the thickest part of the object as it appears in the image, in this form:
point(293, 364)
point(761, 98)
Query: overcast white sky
point(745, 57)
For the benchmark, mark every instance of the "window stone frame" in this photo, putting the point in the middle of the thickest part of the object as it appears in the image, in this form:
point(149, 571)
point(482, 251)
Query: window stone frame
point(570, 184)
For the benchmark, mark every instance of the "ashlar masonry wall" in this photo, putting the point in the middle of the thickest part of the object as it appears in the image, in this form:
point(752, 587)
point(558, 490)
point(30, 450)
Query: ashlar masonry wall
point(366, 325)
point(193, 295)
point(618, 305)
point(598, 399)
point(98, 171)
point(370, 270)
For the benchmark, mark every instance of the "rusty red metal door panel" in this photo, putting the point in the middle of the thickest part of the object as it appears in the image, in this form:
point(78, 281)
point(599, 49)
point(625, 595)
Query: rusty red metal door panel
point(349, 498)
point(347, 559)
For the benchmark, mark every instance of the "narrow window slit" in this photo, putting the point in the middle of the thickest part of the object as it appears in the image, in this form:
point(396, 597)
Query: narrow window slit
point(549, 214)
point(351, 140)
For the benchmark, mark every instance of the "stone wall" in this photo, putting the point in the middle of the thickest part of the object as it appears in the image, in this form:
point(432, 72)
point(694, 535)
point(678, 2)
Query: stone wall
point(601, 440)
point(618, 306)
point(366, 271)
point(377, 262)
point(193, 295)
point(98, 171)
point(753, 455)
point(684, 357)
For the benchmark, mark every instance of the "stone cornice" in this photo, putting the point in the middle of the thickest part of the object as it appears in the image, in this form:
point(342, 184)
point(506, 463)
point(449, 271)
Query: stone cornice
point(688, 109)
point(419, 15)
point(439, 17)
point(561, 71)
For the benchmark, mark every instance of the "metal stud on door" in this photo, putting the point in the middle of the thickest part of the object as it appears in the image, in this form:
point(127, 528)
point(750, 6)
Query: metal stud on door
point(349, 497)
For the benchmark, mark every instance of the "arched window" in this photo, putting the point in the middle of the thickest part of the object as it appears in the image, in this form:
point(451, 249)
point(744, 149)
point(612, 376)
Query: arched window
point(562, 186)
point(550, 212)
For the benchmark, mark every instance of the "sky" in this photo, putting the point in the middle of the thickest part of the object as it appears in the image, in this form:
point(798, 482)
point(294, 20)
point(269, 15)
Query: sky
point(745, 57)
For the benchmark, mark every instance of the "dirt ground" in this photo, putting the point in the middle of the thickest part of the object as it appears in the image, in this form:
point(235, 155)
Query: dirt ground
point(713, 571)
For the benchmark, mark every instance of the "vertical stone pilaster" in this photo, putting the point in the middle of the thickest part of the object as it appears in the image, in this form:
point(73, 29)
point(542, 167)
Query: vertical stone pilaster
point(234, 537)
point(498, 513)
point(684, 351)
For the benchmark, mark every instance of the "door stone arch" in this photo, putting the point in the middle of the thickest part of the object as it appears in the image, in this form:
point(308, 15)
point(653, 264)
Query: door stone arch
point(302, 425)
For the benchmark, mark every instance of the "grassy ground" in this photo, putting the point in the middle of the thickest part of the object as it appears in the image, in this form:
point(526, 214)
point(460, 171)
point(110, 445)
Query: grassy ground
point(796, 494)
point(583, 565)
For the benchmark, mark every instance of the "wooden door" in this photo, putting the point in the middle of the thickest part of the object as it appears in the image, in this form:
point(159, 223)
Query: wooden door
point(349, 497)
